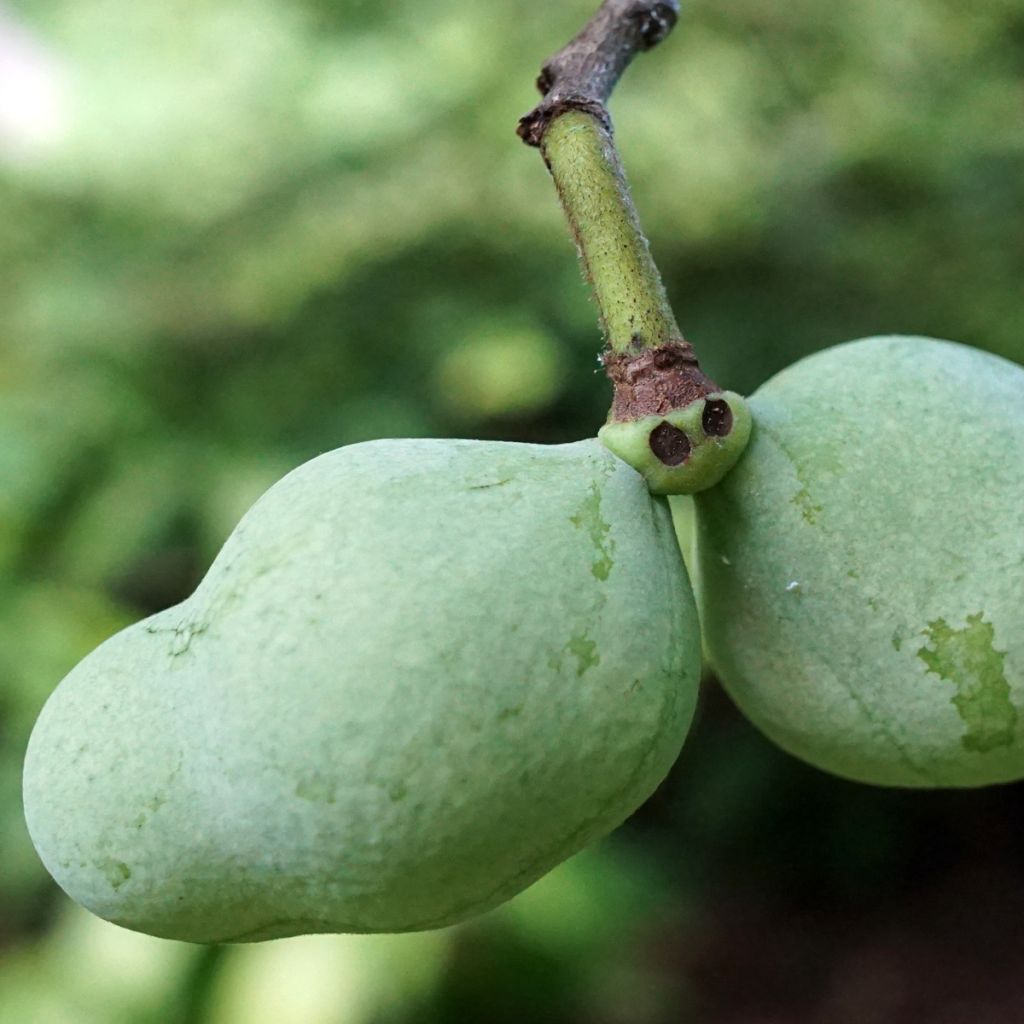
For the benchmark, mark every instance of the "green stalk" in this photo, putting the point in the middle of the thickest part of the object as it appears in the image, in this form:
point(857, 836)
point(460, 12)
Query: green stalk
point(591, 183)
point(668, 420)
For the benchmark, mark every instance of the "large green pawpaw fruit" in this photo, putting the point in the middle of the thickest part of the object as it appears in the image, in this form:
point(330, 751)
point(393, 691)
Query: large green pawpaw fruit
point(418, 676)
point(861, 571)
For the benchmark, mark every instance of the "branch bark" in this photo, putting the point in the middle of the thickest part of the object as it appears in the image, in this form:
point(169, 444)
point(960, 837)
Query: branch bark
point(582, 75)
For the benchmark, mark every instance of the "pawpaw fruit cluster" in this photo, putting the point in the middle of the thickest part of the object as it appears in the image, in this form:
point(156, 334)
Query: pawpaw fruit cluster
point(422, 673)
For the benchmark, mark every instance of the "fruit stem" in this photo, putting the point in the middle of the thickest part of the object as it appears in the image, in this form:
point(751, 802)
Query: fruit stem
point(572, 128)
point(668, 420)
point(634, 309)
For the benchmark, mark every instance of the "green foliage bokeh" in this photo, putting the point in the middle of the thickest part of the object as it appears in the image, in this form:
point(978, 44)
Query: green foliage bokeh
point(237, 233)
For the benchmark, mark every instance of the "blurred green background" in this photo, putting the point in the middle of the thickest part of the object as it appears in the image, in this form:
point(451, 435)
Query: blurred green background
point(237, 233)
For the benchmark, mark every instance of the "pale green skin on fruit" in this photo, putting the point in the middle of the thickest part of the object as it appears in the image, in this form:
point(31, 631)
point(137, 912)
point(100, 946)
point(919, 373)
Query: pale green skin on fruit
point(861, 571)
point(710, 457)
point(418, 676)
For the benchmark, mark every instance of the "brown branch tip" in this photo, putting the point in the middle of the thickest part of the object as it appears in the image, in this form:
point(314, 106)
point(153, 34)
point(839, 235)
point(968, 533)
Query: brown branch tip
point(582, 75)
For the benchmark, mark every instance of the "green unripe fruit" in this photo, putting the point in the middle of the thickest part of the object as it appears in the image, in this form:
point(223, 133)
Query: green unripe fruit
point(861, 570)
point(418, 676)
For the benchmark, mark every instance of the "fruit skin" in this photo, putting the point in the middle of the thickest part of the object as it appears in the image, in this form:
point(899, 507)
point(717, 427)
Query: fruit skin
point(418, 676)
point(861, 570)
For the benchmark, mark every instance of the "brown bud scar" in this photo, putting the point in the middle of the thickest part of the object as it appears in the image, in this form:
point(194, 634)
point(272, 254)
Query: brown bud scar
point(655, 381)
point(655, 24)
point(717, 418)
point(670, 444)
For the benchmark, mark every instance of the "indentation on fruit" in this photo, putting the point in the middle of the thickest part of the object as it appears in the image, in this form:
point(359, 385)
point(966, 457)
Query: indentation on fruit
point(802, 498)
point(116, 872)
point(588, 517)
point(670, 444)
point(968, 658)
point(488, 486)
point(716, 420)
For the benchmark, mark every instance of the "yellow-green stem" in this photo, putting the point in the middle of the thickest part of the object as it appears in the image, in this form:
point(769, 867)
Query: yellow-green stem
point(591, 184)
point(668, 420)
